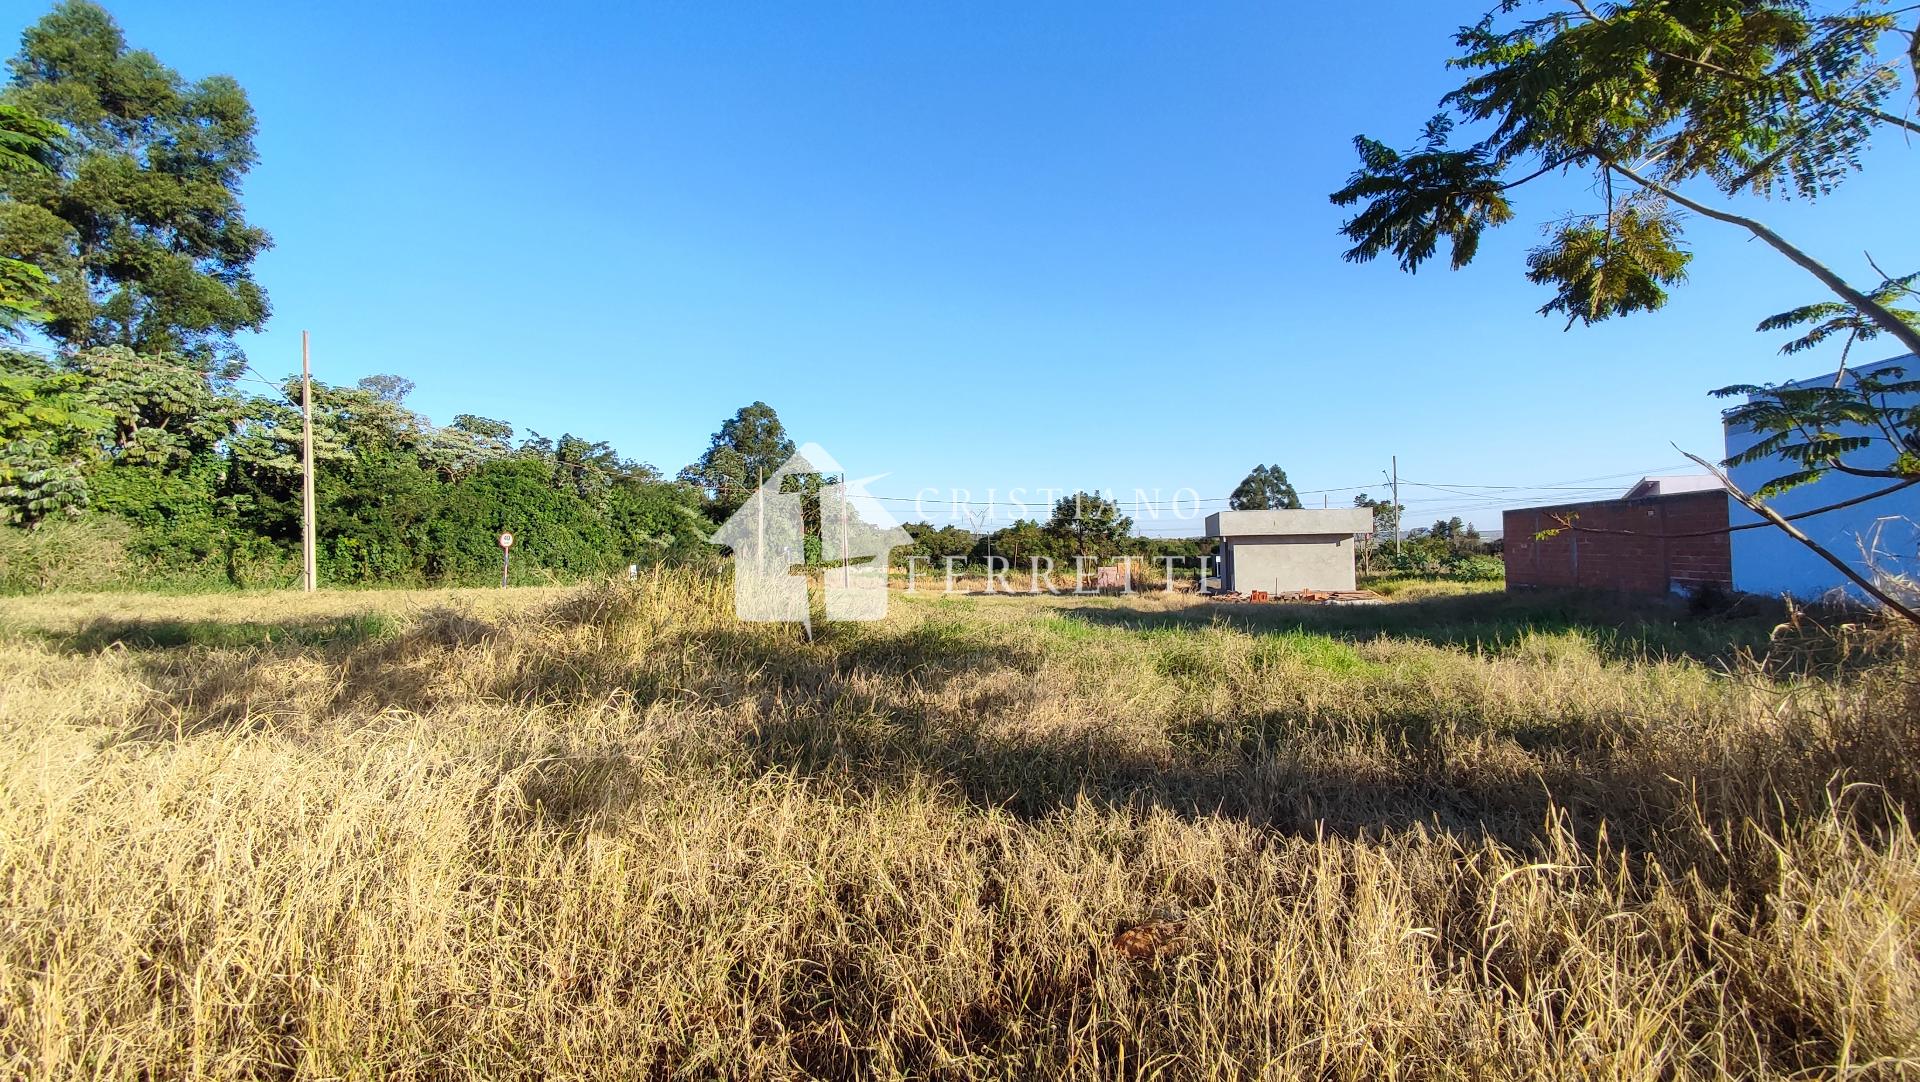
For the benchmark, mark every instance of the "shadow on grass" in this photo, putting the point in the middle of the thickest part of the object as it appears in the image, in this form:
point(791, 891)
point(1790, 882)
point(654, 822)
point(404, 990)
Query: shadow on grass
point(1557, 780)
point(150, 634)
point(1408, 767)
point(225, 675)
point(880, 707)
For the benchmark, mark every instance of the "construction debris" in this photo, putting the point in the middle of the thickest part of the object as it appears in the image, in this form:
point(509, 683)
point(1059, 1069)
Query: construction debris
point(1150, 940)
point(1299, 597)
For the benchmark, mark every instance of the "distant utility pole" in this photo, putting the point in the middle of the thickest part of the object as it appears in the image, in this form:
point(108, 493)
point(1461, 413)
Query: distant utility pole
point(978, 520)
point(309, 564)
point(1396, 505)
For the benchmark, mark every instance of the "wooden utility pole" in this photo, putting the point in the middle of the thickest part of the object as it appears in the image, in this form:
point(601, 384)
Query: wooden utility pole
point(1396, 505)
point(309, 563)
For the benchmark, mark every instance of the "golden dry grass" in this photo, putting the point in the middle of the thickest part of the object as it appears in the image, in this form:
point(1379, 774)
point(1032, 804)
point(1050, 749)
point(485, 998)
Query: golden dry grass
point(611, 832)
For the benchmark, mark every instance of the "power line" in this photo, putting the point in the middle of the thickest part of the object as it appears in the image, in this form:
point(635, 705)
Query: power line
point(1557, 484)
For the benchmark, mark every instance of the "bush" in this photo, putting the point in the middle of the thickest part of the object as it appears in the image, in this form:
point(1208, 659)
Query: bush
point(1477, 569)
point(1430, 558)
point(89, 553)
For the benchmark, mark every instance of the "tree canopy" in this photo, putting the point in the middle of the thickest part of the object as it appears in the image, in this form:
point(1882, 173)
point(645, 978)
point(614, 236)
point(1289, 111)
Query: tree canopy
point(1674, 108)
point(1742, 99)
point(1265, 489)
point(27, 144)
point(1090, 525)
point(136, 224)
point(751, 445)
point(208, 477)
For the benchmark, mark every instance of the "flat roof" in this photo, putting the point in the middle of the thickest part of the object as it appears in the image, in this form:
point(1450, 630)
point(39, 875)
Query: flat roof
point(1667, 486)
point(1906, 361)
point(1314, 522)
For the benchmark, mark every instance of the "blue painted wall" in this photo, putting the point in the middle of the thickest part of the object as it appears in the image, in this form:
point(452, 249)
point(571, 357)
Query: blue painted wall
point(1767, 561)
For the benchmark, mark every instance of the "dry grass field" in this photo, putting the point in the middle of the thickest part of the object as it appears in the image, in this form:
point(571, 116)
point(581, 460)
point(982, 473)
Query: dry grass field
point(611, 832)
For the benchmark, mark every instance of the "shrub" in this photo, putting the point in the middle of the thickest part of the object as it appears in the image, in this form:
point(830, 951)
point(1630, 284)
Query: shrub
point(88, 553)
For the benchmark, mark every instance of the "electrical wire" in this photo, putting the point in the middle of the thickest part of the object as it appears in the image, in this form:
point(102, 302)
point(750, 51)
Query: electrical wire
point(1459, 497)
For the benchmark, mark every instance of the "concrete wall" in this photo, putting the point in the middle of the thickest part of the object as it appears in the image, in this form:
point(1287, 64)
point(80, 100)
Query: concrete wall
point(1655, 545)
point(1767, 561)
point(1278, 563)
point(1315, 521)
point(1277, 551)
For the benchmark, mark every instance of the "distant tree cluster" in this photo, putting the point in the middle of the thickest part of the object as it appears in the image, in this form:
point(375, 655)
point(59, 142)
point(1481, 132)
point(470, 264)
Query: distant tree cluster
point(1450, 548)
point(1085, 525)
point(209, 476)
point(1265, 489)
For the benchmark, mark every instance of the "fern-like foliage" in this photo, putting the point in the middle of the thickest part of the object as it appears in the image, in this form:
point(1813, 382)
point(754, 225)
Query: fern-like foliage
point(1829, 319)
point(1866, 424)
point(1767, 98)
point(1620, 264)
point(1414, 200)
point(28, 144)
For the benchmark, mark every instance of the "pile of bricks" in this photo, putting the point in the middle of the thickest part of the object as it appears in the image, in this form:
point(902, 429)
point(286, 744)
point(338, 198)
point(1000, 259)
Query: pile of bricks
point(1300, 597)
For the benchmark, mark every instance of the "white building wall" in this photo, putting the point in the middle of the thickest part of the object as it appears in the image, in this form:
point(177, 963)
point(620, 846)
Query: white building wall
point(1883, 532)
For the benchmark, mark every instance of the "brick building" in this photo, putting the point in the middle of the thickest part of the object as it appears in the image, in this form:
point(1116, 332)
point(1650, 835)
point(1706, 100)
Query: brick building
point(1646, 544)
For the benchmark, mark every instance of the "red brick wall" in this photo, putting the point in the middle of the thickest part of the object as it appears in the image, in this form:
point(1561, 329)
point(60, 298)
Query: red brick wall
point(1645, 558)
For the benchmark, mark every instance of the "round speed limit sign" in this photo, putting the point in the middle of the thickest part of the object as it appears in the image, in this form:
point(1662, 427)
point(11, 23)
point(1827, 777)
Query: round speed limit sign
point(506, 540)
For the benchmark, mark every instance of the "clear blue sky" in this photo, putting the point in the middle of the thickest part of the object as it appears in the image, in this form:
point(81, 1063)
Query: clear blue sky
point(974, 246)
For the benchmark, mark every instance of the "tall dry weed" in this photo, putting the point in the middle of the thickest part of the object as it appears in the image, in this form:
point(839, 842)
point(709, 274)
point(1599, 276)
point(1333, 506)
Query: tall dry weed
point(617, 833)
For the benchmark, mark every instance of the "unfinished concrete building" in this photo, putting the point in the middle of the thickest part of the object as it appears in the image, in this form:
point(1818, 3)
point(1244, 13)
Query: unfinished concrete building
point(1285, 551)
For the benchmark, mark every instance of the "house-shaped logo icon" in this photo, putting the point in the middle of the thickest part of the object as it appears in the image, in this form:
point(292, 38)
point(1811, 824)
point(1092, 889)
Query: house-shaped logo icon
point(768, 536)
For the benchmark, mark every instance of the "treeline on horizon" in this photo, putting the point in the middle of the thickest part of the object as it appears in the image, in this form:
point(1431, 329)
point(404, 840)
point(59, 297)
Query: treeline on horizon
point(141, 449)
point(161, 470)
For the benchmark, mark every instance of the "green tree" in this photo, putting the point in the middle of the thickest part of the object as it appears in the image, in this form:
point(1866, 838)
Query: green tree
point(467, 444)
point(1088, 524)
point(373, 513)
point(653, 520)
point(138, 224)
point(1674, 108)
point(937, 543)
point(750, 445)
point(1854, 425)
point(1748, 98)
point(1265, 489)
point(353, 428)
point(554, 530)
point(166, 408)
point(48, 439)
point(1386, 519)
point(27, 145)
point(1461, 538)
point(1021, 541)
point(586, 468)
point(1386, 515)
